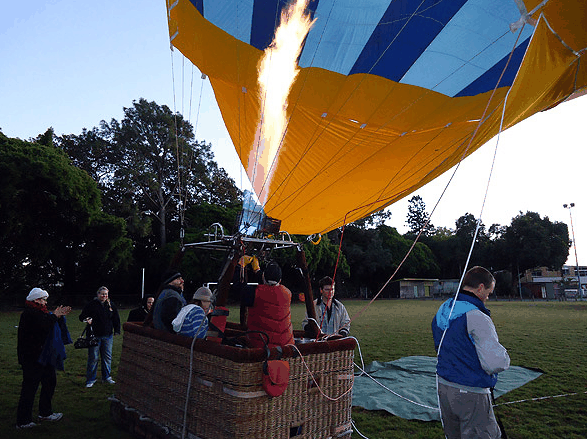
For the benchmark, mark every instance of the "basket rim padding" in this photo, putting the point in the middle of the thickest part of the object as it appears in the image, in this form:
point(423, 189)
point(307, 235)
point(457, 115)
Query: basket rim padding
point(238, 354)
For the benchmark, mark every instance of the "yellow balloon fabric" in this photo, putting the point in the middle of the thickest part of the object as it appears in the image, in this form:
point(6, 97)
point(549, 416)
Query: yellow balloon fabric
point(356, 143)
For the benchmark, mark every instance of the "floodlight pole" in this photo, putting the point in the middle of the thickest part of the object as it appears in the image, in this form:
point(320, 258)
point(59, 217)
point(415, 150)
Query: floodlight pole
point(143, 285)
point(579, 290)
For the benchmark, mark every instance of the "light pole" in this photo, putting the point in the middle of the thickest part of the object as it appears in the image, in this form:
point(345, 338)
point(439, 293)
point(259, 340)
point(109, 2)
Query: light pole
point(579, 291)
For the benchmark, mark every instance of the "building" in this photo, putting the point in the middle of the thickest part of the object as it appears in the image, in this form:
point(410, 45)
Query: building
point(543, 283)
point(445, 287)
point(412, 288)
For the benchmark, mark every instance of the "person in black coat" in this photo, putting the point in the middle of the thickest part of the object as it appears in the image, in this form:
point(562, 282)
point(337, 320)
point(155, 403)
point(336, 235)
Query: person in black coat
point(36, 329)
point(102, 316)
point(140, 314)
point(169, 301)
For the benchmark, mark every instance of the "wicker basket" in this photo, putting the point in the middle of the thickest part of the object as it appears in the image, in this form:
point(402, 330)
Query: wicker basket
point(226, 398)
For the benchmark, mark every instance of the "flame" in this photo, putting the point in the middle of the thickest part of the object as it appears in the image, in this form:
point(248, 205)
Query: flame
point(278, 69)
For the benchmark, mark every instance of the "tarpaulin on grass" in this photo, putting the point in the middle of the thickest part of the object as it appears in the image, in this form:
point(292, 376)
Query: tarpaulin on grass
point(414, 378)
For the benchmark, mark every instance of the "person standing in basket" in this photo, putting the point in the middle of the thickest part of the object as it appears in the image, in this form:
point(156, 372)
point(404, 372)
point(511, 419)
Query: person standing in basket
point(192, 320)
point(169, 301)
point(39, 331)
point(268, 309)
point(469, 359)
point(140, 314)
point(332, 316)
point(103, 316)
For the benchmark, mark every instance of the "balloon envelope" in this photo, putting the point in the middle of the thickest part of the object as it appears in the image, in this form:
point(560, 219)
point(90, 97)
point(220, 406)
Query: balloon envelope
point(391, 93)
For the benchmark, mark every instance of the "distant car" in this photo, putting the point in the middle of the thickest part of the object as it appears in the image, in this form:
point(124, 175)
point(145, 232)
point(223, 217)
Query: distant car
point(571, 294)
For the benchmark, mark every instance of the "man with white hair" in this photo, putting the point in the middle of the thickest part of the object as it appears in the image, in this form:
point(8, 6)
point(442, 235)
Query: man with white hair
point(36, 329)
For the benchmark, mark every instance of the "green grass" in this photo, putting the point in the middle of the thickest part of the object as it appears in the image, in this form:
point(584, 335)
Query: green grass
point(550, 336)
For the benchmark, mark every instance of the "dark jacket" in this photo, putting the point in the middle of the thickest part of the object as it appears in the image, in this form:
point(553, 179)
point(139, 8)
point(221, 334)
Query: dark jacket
point(166, 307)
point(104, 321)
point(137, 315)
point(34, 329)
point(54, 349)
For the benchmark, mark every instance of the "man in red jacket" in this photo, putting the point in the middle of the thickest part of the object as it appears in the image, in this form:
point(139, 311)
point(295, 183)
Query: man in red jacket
point(269, 310)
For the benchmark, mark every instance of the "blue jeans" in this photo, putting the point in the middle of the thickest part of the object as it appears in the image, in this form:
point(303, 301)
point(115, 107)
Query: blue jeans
point(104, 349)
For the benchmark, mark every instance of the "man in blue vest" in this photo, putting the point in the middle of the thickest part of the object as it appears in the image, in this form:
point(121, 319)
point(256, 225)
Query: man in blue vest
point(169, 302)
point(469, 359)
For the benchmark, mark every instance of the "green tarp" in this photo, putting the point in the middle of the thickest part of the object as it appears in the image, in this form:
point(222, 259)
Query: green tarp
point(414, 378)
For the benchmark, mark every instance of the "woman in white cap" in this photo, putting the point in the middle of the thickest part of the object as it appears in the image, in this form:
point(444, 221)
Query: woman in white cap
point(191, 319)
point(35, 330)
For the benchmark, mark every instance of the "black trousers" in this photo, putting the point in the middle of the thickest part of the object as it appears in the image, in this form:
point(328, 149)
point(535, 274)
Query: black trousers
point(32, 375)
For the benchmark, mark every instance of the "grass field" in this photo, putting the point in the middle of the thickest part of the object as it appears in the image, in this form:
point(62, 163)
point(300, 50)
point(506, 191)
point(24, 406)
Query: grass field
point(550, 336)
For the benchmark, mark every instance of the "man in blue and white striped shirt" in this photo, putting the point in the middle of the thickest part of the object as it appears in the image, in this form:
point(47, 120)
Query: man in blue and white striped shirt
point(191, 320)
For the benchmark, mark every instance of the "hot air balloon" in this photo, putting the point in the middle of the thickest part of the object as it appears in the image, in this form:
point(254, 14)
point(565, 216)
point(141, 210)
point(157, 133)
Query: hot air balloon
point(390, 93)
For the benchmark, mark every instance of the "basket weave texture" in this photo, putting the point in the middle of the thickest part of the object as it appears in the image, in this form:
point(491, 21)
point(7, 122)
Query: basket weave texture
point(226, 398)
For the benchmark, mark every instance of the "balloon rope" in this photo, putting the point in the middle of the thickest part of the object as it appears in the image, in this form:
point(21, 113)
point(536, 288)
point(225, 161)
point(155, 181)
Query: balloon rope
point(178, 184)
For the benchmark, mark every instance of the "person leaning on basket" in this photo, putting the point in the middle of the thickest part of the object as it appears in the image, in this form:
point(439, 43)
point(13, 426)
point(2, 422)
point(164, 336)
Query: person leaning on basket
point(191, 320)
point(140, 314)
point(169, 301)
point(332, 316)
point(103, 316)
point(268, 309)
point(36, 330)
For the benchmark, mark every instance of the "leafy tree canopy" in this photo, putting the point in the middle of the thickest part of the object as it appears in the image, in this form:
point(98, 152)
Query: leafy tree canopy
point(149, 167)
point(418, 218)
point(52, 228)
point(531, 241)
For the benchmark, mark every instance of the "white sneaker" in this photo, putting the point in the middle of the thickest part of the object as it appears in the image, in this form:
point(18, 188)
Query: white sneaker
point(109, 380)
point(52, 417)
point(29, 425)
point(90, 384)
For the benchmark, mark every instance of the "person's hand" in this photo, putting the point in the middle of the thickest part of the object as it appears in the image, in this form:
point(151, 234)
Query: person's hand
point(245, 260)
point(61, 311)
point(255, 264)
point(88, 320)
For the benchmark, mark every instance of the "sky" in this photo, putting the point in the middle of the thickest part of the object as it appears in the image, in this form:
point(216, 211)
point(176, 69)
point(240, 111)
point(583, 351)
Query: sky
point(68, 65)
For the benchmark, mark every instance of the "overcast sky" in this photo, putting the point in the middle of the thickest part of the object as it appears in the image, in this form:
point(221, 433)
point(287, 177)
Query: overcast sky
point(68, 65)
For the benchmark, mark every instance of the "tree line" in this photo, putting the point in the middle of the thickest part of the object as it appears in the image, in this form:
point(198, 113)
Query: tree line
point(102, 206)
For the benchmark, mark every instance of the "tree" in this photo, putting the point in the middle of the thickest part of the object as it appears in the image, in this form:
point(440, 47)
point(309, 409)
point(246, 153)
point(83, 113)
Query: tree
point(531, 241)
point(418, 217)
point(149, 167)
point(375, 254)
point(92, 152)
point(376, 219)
point(52, 226)
point(452, 248)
